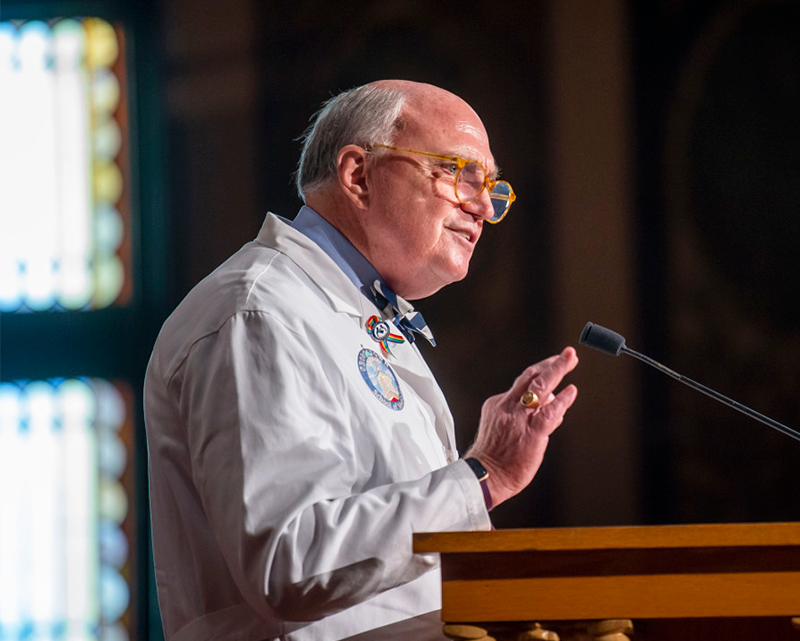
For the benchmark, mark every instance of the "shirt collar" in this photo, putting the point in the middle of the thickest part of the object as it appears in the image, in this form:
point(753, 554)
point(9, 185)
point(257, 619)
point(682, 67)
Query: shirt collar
point(352, 262)
point(360, 271)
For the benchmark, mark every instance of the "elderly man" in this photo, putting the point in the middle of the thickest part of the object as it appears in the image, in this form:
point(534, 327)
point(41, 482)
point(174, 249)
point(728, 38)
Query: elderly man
point(297, 439)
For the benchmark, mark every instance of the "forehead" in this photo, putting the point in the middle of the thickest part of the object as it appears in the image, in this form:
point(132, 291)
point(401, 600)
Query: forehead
point(446, 125)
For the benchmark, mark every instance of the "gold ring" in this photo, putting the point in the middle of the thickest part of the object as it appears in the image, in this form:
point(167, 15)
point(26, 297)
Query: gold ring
point(529, 399)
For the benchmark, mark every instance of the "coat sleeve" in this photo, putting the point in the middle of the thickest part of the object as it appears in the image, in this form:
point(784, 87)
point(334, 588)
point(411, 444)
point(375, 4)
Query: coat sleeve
point(277, 458)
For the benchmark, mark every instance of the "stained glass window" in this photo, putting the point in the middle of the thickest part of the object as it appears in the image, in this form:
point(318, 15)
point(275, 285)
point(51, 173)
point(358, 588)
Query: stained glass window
point(65, 445)
point(64, 188)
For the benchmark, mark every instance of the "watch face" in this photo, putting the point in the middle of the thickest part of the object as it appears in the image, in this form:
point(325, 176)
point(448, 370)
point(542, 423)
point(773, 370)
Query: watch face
point(477, 467)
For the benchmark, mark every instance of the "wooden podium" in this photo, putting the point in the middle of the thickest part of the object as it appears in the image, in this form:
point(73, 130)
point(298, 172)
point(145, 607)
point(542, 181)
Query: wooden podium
point(733, 581)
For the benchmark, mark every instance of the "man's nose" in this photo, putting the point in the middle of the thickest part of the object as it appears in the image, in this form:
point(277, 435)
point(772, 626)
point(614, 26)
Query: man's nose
point(480, 208)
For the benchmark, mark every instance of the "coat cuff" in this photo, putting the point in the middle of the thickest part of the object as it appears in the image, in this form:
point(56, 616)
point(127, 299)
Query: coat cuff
point(477, 506)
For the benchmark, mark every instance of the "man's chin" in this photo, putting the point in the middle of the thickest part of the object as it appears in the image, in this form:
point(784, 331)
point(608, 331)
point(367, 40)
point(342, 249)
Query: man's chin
point(433, 285)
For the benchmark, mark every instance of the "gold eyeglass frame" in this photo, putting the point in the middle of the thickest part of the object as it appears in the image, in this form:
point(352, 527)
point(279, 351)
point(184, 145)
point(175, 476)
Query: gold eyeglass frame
point(488, 183)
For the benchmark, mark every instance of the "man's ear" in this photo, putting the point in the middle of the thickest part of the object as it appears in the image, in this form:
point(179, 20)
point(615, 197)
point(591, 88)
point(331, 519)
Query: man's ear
point(351, 167)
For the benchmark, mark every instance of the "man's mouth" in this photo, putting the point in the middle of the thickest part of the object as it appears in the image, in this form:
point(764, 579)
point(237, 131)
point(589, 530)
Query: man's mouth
point(465, 234)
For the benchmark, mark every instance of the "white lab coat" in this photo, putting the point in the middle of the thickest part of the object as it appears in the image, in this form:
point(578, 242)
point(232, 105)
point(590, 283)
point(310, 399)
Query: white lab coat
point(285, 482)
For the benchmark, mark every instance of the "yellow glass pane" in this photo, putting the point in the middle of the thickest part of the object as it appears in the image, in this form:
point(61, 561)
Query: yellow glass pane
point(102, 47)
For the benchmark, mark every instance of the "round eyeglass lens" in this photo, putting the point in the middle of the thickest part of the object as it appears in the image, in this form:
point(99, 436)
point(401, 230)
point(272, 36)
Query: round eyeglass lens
point(501, 200)
point(470, 181)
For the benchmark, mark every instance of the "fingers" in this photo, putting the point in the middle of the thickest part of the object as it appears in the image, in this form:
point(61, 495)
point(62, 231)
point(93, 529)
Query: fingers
point(548, 400)
point(551, 415)
point(512, 438)
point(523, 380)
point(544, 377)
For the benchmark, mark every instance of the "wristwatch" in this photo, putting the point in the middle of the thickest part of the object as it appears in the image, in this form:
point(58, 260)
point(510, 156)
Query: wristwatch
point(476, 466)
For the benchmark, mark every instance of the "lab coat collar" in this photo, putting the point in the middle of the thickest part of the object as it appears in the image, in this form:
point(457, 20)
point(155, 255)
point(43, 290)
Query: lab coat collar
point(344, 297)
point(362, 273)
point(351, 261)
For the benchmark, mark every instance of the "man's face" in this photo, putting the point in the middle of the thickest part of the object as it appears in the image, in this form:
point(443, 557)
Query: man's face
point(420, 237)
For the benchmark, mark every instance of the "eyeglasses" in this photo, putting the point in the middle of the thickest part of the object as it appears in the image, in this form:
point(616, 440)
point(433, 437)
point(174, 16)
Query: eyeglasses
point(469, 180)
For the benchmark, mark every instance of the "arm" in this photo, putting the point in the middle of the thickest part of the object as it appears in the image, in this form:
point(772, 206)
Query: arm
point(308, 517)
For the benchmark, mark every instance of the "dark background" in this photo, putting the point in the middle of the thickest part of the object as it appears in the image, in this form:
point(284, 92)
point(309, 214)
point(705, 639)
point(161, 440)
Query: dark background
point(655, 150)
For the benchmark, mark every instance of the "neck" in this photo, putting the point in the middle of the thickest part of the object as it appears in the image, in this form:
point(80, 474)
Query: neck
point(350, 221)
point(339, 213)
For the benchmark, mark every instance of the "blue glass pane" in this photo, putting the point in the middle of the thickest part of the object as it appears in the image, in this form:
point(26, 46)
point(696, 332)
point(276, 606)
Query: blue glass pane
point(63, 552)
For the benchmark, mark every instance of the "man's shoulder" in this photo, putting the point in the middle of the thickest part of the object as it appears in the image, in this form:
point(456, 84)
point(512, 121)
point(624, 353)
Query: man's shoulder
point(257, 280)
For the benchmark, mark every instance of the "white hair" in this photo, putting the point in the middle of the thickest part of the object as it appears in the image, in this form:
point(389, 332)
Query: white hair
point(366, 115)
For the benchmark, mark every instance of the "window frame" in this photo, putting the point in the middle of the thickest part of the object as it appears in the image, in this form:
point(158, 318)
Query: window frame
point(114, 343)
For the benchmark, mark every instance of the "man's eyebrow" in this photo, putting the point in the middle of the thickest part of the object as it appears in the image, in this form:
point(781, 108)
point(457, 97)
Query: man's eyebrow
point(495, 173)
point(491, 175)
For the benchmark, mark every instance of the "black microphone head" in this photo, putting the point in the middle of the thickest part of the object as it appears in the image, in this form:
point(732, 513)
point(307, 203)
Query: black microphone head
point(603, 339)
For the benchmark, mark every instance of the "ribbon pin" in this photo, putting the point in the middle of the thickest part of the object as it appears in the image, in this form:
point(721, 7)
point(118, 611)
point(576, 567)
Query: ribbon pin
point(380, 331)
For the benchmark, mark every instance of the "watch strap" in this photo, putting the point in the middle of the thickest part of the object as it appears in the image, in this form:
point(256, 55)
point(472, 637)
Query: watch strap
point(477, 467)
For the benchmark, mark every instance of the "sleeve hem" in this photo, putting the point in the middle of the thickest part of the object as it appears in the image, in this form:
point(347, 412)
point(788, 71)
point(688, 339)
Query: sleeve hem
point(475, 502)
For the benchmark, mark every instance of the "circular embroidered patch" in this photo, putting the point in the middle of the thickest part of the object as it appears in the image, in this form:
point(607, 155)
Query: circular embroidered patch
point(380, 378)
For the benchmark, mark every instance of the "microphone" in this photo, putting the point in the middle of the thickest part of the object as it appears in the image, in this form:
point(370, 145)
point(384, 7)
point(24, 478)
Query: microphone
point(603, 339)
point(609, 342)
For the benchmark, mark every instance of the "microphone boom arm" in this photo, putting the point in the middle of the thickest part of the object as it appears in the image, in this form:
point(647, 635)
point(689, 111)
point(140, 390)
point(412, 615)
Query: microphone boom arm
point(609, 342)
point(788, 431)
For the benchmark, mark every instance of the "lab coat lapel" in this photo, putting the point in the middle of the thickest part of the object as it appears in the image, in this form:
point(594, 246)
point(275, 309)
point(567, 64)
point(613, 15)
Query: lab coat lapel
point(344, 297)
point(306, 254)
